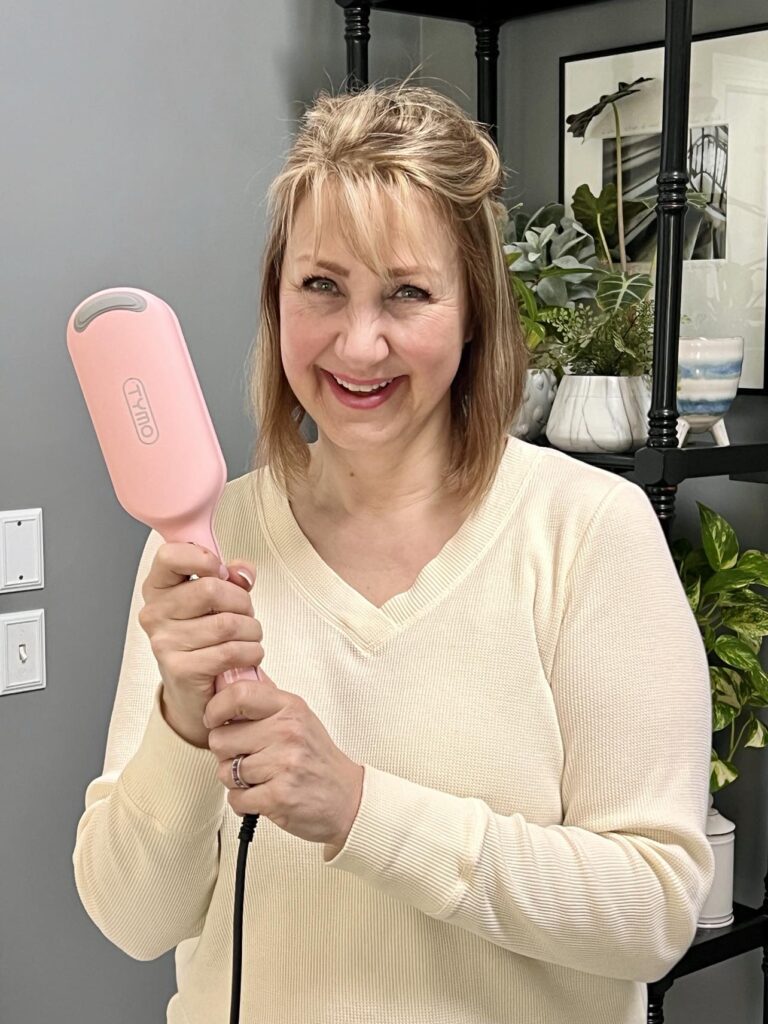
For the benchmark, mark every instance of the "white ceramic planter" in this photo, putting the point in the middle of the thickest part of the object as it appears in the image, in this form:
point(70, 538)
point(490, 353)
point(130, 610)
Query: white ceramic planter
point(538, 396)
point(599, 414)
point(717, 911)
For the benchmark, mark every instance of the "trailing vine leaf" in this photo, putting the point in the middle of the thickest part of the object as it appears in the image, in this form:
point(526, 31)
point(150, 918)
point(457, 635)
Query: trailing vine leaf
point(723, 715)
point(693, 593)
point(718, 539)
point(721, 773)
point(757, 734)
point(735, 652)
point(755, 562)
point(750, 621)
point(728, 579)
point(725, 685)
point(759, 680)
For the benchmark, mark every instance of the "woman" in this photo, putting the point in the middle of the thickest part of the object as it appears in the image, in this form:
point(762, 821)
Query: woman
point(481, 750)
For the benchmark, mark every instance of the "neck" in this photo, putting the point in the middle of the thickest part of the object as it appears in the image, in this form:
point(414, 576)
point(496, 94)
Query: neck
point(386, 484)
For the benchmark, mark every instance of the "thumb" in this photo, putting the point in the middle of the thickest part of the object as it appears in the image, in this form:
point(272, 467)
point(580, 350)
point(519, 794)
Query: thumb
point(242, 573)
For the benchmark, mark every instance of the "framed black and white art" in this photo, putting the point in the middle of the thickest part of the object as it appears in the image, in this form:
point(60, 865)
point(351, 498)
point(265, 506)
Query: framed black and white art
point(726, 233)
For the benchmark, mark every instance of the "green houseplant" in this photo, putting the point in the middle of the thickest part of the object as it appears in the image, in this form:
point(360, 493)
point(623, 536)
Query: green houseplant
point(733, 619)
point(605, 214)
point(603, 400)
point(552, 265)
point(613, 337)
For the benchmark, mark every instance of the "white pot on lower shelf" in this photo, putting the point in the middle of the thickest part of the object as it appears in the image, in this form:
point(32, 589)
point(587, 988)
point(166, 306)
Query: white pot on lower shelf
point(717, 911)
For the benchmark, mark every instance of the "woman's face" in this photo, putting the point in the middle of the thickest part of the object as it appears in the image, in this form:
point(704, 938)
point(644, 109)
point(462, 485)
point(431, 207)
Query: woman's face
point(343, 320)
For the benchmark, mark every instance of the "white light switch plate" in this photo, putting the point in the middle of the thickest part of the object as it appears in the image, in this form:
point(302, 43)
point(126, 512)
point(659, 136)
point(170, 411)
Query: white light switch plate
point(22, 651)
point(21, 550)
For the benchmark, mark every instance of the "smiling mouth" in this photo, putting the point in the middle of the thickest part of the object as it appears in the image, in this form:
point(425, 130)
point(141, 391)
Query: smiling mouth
point(342, 379)
point(362, 399)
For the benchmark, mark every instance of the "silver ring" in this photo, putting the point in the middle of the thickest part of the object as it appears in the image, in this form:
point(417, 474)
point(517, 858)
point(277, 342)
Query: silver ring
point(236, 773)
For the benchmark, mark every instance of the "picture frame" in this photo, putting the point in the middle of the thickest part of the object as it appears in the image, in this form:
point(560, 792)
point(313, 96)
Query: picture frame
point(725, 266)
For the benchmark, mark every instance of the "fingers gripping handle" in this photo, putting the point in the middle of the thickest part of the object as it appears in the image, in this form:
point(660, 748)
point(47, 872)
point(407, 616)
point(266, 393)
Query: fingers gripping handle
point(232, 675)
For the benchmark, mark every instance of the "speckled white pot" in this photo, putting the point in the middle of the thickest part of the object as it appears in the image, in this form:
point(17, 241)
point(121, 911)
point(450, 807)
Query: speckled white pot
point(539, 394)
point(599, 414)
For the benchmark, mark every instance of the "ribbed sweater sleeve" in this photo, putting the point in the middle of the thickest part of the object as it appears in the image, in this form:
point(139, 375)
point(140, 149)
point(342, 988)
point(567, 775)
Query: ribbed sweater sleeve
point(616, 889)
point(150, 828)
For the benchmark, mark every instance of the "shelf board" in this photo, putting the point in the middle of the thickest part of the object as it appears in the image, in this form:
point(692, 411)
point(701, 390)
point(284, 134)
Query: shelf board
point(485, 11)
point(744, 462)
point(713, 945)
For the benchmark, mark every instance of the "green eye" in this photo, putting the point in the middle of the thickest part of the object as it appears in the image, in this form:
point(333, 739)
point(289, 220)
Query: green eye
point(308, 281)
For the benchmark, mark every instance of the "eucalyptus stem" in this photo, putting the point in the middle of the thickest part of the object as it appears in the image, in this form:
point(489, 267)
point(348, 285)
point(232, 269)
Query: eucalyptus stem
point(620, 190)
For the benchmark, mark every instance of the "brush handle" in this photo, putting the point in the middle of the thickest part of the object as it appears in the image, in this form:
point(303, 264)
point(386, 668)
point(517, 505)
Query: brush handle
point(200, 531)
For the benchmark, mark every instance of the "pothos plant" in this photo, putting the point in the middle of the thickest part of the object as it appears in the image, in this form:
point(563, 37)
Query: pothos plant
point(733, 620)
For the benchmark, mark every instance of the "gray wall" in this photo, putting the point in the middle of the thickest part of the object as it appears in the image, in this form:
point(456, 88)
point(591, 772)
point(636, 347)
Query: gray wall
point(529, 122)
point(138, 143)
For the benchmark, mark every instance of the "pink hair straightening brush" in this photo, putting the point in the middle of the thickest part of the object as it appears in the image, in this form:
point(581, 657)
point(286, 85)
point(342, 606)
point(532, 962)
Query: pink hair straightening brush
point(150, 418)
point(161, 451)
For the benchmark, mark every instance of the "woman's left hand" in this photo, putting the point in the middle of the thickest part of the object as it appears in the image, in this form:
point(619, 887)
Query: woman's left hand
point(301, 780)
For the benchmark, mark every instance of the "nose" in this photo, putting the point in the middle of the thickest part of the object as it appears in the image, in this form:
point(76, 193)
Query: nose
point(360, 346)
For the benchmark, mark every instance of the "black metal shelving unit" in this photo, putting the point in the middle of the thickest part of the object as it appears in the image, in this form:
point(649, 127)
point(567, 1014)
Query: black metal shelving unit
point(660, 465)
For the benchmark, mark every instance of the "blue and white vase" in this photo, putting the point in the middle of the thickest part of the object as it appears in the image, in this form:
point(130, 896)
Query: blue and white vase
point(708, 373)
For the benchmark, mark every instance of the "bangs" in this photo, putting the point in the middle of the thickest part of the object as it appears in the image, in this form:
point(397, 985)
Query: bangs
point(375, 219)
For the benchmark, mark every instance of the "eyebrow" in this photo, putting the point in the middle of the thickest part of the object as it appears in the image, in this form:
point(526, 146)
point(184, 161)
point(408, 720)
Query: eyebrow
point(343, 272)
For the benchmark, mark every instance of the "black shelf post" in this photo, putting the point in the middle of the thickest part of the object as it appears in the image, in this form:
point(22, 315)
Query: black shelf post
point(487, 57)
point(671, 206)
point(356, 35)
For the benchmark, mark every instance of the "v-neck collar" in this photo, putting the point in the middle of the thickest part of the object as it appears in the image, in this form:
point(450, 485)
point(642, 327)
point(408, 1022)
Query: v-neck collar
point(345, 607)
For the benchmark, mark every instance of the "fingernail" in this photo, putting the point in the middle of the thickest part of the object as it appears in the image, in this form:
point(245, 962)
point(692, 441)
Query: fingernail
point(246, 577)
point(224, 572)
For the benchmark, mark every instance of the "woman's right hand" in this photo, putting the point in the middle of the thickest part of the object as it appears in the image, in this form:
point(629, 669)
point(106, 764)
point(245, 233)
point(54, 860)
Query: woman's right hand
point(198, 628)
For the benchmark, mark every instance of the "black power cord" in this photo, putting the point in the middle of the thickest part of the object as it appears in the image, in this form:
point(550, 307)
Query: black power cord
point(246, 836)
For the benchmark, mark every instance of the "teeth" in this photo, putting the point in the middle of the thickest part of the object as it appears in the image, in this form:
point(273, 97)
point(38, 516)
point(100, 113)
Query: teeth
point(362, 387)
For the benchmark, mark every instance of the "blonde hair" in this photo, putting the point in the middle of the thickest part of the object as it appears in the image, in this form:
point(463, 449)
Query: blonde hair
point(404, 142)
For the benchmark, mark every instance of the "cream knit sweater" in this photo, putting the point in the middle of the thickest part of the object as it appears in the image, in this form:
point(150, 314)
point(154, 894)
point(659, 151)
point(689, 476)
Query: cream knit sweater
point(534, 720)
